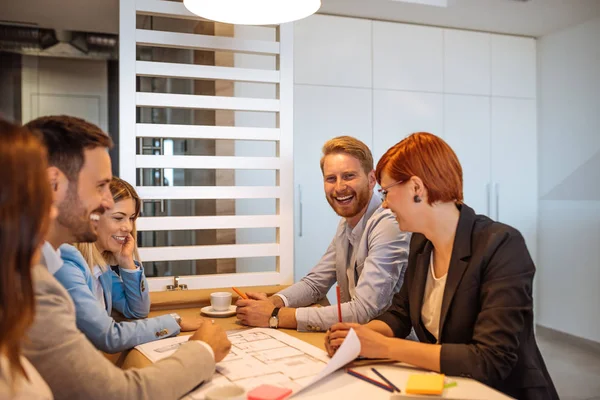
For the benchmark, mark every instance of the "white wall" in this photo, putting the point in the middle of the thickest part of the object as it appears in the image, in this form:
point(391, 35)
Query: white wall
point(53, 86)
point(476, 90)
point(569, 180)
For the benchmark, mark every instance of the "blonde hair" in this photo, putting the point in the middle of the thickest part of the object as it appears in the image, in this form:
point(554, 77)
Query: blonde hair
point(351, 146)
point(120, 190)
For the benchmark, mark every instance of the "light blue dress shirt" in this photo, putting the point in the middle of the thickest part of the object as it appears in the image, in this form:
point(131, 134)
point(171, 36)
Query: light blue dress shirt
point(127, 294)
point(369, 272)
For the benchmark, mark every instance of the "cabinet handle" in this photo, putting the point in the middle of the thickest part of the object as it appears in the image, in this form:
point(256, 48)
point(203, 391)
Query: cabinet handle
point(497, 201)
point(489, 198)
point(300, 210)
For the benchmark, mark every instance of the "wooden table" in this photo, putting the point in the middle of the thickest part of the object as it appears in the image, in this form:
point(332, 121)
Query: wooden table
point(338, 385)
point(135, 359)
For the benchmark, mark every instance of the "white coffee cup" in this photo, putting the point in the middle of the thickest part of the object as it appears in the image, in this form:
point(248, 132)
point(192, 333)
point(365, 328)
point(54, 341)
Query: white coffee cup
point(227, 392)
point(220, 301)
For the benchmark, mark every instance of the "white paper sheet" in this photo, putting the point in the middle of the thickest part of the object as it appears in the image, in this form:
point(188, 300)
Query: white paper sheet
point(264, 356)
point(160, 349)
point(348, 351)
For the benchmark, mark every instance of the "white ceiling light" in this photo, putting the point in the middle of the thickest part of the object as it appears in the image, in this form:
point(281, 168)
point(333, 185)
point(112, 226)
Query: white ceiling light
point(253, 12)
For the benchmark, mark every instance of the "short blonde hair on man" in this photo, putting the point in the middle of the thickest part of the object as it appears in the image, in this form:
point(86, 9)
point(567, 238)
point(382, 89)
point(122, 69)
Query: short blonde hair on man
point(351, 146)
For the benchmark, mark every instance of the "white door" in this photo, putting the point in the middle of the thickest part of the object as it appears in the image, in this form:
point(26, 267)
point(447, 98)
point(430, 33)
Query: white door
point(467, 131)
point(514, 165)
point(397, 114)
point(321, 113)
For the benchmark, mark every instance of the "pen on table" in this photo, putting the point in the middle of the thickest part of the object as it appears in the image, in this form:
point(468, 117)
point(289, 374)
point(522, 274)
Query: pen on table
point(240, 293)
point(386, 380)
point(369, 380)
point(337, 292)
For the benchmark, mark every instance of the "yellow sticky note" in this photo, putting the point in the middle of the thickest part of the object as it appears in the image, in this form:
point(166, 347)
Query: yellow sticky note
point(425, 384)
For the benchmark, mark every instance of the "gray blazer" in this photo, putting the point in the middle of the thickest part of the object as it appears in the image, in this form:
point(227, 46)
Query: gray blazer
point(74, 369)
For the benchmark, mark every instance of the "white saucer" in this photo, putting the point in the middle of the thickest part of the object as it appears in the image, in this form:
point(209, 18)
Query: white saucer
point(208, 310)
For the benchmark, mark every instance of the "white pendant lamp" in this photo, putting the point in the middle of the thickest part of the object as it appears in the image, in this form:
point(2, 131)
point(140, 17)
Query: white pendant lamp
point(253, 12)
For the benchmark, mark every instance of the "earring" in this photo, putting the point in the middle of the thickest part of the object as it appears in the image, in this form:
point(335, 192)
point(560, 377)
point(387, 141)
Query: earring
point(417, 199)
point(54, 186)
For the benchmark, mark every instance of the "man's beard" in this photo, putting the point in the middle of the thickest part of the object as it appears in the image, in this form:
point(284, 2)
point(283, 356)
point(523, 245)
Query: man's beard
point(360, 200)
point(73, 215)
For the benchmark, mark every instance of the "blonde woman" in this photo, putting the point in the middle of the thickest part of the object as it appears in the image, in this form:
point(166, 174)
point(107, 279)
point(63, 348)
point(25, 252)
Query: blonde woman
point(106, 275)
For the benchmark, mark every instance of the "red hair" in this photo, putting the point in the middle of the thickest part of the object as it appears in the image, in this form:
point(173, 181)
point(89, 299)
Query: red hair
point(431, 159)
point(25, 201)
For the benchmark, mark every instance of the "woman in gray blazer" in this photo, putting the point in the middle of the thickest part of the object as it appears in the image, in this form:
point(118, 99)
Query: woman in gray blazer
point(468, 286)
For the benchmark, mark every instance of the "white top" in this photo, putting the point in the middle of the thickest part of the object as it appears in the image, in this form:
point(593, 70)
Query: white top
point(98, 290)
point(52, 259)
point(24, 389)
point(432, 300)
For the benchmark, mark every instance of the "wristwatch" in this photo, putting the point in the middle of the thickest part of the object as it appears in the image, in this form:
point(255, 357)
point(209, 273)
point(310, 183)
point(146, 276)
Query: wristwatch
point(177, 318)
point(274, 320)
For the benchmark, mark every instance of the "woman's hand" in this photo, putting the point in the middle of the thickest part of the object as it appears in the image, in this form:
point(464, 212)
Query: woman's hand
point(125, 256)
point(191, 324)
point(372, 344)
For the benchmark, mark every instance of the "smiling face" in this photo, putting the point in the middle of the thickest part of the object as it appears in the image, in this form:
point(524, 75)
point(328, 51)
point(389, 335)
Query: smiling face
point(347, 187)
point(115, 225)
point(88, 198)
point(400, 200)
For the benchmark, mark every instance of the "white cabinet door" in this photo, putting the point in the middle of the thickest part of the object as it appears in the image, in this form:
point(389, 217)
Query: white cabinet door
point(513, 66)
point(514, 165)
point(407, 57)
point(333, 51)
point(398, 114)
point(467, 59)
point(321, 113)
point(467, 131)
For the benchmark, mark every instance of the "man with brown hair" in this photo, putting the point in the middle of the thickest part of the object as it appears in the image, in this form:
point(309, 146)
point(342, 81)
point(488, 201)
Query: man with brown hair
point(79, 172)
point(367, 256)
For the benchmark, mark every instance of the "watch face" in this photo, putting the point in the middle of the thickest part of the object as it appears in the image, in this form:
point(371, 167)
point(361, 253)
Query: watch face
point(273, 322)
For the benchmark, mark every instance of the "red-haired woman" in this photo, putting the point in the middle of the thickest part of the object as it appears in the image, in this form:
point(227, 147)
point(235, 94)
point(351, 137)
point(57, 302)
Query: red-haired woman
point(25, 212)
point(468, 285)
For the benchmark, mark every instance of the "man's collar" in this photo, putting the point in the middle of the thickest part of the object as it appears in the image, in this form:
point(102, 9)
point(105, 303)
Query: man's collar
point(355, 233)
point(51, 258)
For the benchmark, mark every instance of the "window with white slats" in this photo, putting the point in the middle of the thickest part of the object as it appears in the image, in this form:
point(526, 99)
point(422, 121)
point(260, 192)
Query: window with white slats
point(206, 138)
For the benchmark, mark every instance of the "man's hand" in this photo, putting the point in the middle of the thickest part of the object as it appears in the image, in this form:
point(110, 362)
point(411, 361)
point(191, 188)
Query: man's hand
point(372, 344)
point(215, 337)
point(254, 312)
point(275, 300)
point(257, 296)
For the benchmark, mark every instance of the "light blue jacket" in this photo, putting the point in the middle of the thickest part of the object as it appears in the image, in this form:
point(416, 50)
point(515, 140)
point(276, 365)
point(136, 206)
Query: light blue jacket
point(127, 294)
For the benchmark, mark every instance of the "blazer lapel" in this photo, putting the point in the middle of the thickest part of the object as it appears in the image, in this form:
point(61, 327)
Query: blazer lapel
point(417, 288)
point(461, 253)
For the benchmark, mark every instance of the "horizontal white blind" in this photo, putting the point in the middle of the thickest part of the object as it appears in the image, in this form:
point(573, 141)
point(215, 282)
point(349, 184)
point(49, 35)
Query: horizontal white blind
point(132, 100)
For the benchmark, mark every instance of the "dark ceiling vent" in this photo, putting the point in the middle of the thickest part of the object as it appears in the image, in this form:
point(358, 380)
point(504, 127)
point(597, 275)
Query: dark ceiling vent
point(49, 42)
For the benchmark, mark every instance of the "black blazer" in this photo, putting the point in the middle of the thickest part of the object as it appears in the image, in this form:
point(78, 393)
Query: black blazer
point(486, 321)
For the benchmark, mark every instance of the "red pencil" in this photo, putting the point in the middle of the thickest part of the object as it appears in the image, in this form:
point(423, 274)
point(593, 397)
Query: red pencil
point(369, 380)
point(337, 292)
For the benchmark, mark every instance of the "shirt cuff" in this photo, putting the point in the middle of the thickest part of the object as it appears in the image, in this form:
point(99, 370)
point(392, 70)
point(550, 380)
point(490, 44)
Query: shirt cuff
point(286, 303)
point(206, 346)
point(302, 320)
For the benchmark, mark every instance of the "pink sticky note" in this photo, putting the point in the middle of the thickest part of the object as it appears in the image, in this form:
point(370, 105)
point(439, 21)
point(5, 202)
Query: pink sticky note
point(268, 392)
